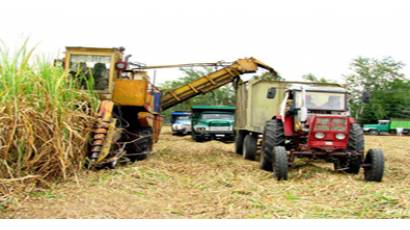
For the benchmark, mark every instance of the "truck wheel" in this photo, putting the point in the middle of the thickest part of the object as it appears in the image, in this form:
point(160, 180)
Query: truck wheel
point(280, 163)
point(273, 135)
point(249, 147)
point(240, 136)
point(374, 165)
point(196, 137)
point(373, 132)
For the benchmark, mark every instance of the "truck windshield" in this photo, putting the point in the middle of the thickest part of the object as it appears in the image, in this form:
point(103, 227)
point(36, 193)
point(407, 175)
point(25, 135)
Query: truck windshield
point(90, 70)
point(322, 101)
point(221, 116)
point(182, 118)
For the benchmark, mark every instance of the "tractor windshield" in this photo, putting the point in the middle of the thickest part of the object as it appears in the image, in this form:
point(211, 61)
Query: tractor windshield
point(316, 100)
point(91, 71)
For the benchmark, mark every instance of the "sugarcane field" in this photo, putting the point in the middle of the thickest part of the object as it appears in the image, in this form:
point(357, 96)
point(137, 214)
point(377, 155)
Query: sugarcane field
point(160, 122)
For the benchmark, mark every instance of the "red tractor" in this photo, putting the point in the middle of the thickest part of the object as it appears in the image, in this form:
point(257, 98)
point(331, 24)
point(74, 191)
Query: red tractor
point(314, 122)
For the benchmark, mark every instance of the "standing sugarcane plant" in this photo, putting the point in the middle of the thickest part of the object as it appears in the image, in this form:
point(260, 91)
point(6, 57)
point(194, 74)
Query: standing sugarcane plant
point(44, 120)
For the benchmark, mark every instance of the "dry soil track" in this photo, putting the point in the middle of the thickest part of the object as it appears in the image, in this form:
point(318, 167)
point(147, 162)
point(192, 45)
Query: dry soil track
point(184, 179)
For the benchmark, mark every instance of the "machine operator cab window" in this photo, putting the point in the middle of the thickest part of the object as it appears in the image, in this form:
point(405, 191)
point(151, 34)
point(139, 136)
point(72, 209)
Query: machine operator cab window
point(325, 101)
point(302, 100)
point(90, 71)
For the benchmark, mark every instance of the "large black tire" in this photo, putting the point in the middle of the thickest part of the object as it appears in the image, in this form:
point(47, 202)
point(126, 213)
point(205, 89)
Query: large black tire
point(138, 151)
point(280, 163)
point(249, 147)
point(196, 138)
point(273, 135)
point(239, 138)
point(374, 165)
point(355, 143)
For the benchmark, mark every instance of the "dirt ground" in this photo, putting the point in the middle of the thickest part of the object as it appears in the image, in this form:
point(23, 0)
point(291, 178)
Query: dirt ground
point(184, 179)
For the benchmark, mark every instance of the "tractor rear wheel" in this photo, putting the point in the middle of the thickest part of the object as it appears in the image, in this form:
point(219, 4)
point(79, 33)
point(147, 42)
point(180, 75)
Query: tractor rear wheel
point(249, 147)
point(239, 138)
point(280, 163)
point(273, 135)
point(374, 165)
point(356, 144)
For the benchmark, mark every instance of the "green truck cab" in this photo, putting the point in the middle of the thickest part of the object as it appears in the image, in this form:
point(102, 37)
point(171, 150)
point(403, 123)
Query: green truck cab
point(213, 123)
point(388, 126)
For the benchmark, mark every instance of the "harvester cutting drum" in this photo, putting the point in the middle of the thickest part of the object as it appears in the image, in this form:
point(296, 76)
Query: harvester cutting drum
point(295, 119)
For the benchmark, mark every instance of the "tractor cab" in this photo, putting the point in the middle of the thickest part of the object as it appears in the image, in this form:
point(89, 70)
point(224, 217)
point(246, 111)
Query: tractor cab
point(107, 73)
point(302, 104)
point(93, 68)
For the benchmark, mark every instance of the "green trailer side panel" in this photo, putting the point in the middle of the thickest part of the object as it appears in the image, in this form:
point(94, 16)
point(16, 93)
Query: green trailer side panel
point(399, 123)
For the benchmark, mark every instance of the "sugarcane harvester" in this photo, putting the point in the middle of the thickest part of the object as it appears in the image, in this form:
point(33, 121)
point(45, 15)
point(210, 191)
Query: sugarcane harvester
point(128, 120)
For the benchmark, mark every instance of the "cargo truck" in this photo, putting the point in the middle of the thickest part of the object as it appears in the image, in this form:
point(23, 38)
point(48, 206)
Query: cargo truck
point(388, 126)
point(180, 122)
point(212, 122)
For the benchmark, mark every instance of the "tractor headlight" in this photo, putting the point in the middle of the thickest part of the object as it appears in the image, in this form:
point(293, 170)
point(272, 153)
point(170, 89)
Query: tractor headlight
point(340, 136)
point(319, 135)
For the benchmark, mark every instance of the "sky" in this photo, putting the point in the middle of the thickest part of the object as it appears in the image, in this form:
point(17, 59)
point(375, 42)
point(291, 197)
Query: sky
point(295, 37)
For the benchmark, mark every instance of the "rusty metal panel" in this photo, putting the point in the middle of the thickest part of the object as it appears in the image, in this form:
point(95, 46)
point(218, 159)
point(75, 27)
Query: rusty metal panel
point(130, 92)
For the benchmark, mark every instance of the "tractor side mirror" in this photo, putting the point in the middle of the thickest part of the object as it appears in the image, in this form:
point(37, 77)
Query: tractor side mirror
point(271, 93)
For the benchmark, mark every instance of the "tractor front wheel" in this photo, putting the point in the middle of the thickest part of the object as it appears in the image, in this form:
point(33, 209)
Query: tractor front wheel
point(280, 163)
point(374, 165)
point(249, 147)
